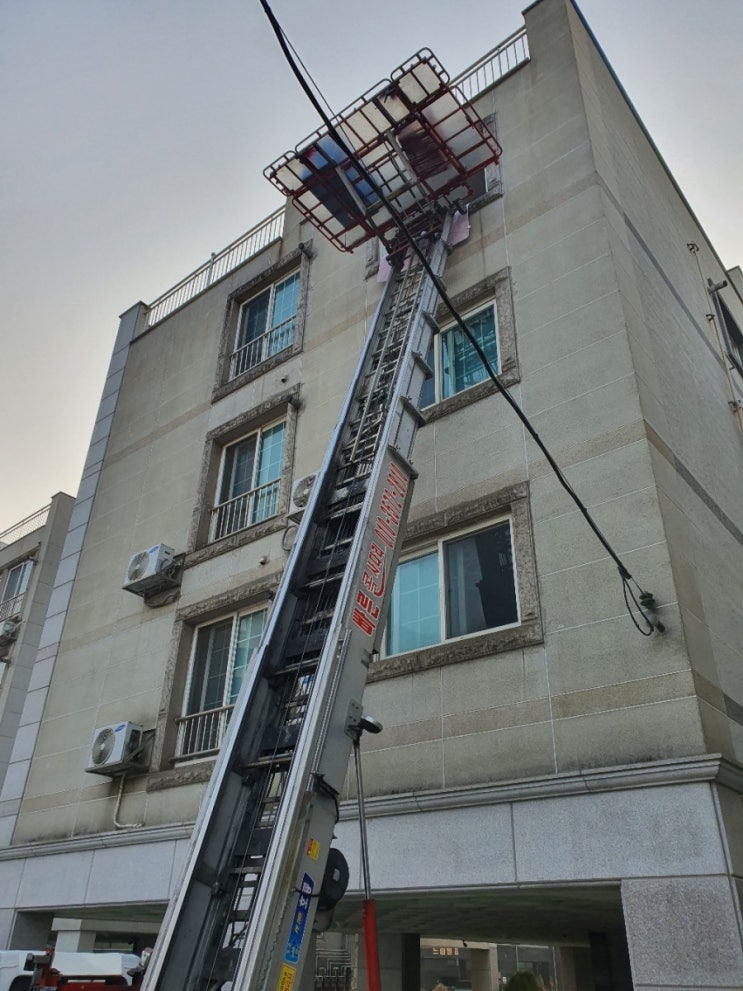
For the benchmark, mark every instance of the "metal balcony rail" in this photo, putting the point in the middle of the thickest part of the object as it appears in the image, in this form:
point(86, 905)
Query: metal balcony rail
point(254, 352)
point(219, 265)
point(244, 510)
point(506, 57)
point(201, 733)
point(33, 522)
point(11, 607)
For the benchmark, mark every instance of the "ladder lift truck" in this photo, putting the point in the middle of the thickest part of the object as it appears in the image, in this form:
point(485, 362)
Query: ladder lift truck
point(258, 876)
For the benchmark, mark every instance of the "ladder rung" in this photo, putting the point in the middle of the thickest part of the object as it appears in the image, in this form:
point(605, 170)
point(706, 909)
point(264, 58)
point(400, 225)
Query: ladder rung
point(275, 760)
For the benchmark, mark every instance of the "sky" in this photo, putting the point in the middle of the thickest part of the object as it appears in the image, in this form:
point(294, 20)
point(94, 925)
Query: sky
point(135, 133)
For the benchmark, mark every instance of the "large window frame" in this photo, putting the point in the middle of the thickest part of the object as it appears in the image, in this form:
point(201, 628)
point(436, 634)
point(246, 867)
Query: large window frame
point(456, 364)
point(266, 324)
point(249, 480)
point(731, 333)
point(476, 515)
point(221, 653)
point(443, 597)
point(15, 584)
point(492, 292)
point(203, 542)
point(264, 320)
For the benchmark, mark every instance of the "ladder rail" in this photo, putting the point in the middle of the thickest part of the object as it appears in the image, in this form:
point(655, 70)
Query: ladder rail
point(324, 748)
point(285, 754)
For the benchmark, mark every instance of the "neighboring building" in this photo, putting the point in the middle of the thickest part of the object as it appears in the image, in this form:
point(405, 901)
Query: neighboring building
point(546, 775)
point(29, 556)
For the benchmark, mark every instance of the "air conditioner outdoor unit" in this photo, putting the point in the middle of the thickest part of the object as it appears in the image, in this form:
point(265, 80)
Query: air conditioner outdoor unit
point(115, 748)
point(301, 494)
point(150, 570)
point(8, 631)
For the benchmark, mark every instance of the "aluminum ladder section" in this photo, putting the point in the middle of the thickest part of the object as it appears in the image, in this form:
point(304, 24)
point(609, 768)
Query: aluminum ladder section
point(247, 899)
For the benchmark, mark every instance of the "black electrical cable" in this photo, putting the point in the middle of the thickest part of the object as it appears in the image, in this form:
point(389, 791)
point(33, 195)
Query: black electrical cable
point(461, 325)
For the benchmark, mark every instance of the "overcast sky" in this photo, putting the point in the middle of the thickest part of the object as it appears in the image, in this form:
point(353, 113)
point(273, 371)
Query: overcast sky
point(135, 132)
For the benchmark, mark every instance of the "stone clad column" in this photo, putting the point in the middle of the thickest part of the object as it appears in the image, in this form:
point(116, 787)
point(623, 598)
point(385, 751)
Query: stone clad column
point(75, 935)
point(399, 962)
point(683, 932)
point(480, 970)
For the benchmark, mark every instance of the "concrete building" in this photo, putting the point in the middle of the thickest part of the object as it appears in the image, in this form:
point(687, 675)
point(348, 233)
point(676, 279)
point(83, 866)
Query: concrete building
point(546, 774)
point(29, 556)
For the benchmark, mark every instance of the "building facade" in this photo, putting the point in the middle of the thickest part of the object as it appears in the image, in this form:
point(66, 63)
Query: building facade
point(546, 774)
point(29, 556)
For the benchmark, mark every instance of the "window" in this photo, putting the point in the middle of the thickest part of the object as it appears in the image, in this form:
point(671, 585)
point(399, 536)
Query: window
point(14, 589)
point(219, 662)
point(249, 478)
point(733, 335)
point(466, 584)
point(456, 364)
point(266, 325)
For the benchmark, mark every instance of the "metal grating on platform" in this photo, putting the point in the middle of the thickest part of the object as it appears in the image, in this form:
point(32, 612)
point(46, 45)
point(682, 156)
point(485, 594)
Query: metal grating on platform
point(417, 139)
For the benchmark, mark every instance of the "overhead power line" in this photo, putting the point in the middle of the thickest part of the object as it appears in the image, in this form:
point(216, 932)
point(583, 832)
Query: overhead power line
point(644, 601)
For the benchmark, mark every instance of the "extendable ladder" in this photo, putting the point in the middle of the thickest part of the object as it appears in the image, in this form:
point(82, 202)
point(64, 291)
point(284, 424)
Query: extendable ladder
point(247, 902)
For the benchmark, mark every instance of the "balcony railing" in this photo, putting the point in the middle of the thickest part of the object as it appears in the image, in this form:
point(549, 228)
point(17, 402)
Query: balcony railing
point(506, 57)
point(217, 267)
point(254, 352)
point(202, 733)
point(33, 522)
point(11, 607)
point(244, 510)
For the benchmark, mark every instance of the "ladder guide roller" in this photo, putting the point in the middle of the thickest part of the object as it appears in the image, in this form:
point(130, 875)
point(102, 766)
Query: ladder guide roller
point(246, 904)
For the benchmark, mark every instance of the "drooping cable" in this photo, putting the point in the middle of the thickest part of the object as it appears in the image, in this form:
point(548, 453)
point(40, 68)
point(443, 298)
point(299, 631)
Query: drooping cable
point(462, 327)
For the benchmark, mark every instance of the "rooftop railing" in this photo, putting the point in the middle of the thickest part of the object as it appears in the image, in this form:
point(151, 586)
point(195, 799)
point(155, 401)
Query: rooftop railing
point(219, 265)
point(498, 62)
point(494, 65)
point(33, 522)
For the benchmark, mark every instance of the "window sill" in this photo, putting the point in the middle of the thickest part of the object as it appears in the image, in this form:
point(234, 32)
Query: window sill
point(251, 374)
point(510, 376)
point(478, 202)
point(187, 773)
point(470, 648)
point(235, 540)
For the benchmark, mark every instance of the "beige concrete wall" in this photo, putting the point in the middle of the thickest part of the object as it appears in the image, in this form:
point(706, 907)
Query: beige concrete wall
point(594, 692)
point(114, 654)
point(44, 546)
point(684, 389)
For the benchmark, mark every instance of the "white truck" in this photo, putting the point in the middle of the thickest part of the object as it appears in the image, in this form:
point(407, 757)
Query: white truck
point(17, 968)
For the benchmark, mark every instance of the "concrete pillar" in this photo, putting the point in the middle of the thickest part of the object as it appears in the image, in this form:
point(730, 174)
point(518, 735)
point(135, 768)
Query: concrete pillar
point(75, 935)
point(411, 962)
point(480, 970)
point(397, 971)
point(573, 965)
point(684, 932)
point(31, 931)
point(610, 961)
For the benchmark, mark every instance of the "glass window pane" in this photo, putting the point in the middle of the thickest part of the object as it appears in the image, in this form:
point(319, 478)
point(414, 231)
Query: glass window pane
point(210, 665)
point(269, 473)
point(253, 319)
point(272, 451)
point(249, 632)
point(238, 469)
point(428, 390)
point(480, 588)
point(17, 580)
point(461, 366)
point(414, 612)
point(285, 300)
